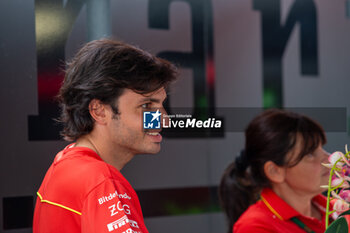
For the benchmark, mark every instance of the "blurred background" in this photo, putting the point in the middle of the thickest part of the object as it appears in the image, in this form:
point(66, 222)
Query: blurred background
point(235, 57)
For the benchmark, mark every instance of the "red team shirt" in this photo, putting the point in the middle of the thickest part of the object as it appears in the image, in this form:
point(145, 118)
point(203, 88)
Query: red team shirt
point(82, 193)
point(273, 215)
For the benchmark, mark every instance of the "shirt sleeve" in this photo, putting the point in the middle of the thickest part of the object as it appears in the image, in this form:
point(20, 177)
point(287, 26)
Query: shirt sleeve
point(109, 208)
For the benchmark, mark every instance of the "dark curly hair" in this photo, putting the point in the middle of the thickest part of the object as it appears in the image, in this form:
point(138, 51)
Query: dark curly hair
point(101, 70)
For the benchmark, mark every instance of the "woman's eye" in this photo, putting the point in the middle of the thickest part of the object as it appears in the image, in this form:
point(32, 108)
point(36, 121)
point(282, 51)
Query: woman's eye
point(310, 156)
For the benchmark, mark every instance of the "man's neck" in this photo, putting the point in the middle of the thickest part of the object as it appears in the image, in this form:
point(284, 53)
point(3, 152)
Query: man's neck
point(116, 158)
point(300, 201)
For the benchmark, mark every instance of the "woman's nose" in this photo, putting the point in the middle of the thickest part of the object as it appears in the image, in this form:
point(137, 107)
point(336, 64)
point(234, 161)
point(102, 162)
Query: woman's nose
point(326, 154)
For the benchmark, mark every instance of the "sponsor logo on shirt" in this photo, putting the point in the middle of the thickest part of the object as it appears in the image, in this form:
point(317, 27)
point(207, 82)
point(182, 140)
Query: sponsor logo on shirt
point(133, 224)
point(131, 231)
point(121, 222)
point(111, 196)
point(116, 224)
point(113, 208)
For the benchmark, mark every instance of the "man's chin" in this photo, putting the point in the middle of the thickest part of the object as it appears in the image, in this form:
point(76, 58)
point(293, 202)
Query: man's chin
point(152, 151)
point(155, 151)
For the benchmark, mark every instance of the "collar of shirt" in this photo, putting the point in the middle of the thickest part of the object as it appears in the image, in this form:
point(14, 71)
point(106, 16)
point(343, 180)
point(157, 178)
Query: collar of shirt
point(284, 211)
point(71, 150)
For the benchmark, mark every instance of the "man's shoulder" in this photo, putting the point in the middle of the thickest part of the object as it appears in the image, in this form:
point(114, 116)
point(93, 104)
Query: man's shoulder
point(79, 172)
point(81, 163)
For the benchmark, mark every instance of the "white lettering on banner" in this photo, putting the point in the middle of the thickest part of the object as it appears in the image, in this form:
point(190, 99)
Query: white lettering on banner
point(116, 224)
point(111, 196)
point(133, 223)
point(192, 123)
point(113, 210)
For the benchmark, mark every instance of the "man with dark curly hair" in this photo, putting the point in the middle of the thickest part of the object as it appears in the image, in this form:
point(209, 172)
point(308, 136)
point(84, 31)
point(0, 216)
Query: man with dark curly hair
point(107, 86)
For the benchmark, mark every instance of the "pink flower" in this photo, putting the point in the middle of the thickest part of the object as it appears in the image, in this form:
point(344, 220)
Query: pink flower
point(339, 180)
point(333, 158)
point(342, 195)
point(337, 156)
point(345, 195)
point(340, 206)
point(345, 171)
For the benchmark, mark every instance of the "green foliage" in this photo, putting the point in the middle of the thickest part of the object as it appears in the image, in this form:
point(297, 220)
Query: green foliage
point(338, 226)
point(345, 213)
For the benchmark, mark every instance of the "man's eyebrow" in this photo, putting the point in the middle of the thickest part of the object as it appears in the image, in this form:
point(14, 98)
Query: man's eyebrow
point(148, 99)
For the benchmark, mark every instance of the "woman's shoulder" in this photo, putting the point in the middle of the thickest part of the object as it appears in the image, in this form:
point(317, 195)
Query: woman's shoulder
point(255, 219)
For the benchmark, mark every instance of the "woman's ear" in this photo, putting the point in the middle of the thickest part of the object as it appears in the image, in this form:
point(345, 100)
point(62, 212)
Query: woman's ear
point(274, 173)
point(97, 111)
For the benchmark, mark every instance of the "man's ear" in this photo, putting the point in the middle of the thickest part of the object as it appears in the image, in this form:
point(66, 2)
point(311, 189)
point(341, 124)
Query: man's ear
point(274, 173)
point(98, 111)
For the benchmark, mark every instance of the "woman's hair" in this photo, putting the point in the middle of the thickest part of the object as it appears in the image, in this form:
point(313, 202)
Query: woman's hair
point(101, 70)
point(268, 137)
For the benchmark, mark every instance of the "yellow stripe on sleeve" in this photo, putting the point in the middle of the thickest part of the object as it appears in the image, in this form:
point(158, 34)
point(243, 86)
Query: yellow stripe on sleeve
point(56, 204)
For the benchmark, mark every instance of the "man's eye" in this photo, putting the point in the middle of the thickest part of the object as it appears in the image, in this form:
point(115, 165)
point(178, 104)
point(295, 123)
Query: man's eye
point(146, 105)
